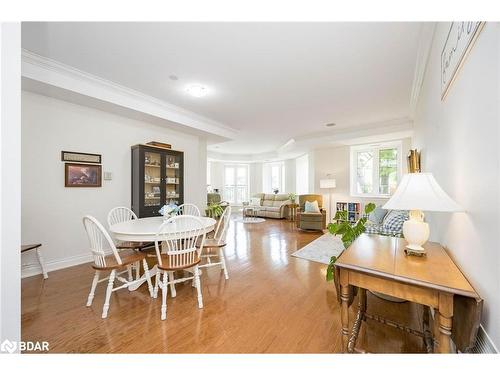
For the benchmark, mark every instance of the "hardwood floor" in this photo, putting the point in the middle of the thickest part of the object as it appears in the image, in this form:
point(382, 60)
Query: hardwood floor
point(272, 303)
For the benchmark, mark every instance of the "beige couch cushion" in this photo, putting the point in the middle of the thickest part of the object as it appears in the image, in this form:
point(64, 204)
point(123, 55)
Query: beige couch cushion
point(267, 203)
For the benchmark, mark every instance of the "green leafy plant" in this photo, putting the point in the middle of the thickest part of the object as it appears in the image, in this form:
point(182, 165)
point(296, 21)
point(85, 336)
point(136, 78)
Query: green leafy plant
point(349, 231)
point(292, 196)
point(214, 210)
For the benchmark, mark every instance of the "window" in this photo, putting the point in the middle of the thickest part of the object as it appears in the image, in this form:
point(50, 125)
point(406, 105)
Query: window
point(375, 169)
point(236, 183)
point(274, 177)
point(302, 174)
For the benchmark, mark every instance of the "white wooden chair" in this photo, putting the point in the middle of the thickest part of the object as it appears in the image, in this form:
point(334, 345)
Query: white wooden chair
point(189, 209)
point(217, 243)
point(120, 215)
point(178, 254)
point(100, 241)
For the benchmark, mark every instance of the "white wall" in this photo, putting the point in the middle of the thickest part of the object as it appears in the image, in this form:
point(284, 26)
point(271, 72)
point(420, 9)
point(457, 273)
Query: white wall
point(336, 161)
point(302, 174)
point(51, 213)
point(459, 139)
point(10, 183)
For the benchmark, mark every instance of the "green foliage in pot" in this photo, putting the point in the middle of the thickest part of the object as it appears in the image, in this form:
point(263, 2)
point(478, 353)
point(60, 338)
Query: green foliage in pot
point(292, 197)
point(348, 230)
point(214, 210)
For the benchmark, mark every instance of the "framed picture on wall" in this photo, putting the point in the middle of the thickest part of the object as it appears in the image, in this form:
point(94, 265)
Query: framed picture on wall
point(80, 157)
point(82, 175)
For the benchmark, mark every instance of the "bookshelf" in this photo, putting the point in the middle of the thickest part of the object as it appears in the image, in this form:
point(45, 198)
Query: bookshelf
point(353, 210)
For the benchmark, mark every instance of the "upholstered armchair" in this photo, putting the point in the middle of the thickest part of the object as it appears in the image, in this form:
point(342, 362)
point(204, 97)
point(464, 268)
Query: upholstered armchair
point(311, 220)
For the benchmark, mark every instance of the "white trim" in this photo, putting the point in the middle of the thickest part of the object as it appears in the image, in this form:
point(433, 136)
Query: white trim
point(369, 147)
point(54, 265)
point(424, 50)
point(55, 74)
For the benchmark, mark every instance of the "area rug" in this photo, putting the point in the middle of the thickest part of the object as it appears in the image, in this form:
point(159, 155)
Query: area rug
point(249, 220)
point(321, 249)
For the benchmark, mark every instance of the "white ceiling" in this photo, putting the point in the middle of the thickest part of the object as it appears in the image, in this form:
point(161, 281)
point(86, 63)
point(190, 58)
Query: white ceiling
point(272, 81)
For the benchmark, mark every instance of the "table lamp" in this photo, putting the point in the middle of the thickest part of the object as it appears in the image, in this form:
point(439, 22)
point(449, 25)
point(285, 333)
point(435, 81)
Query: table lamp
point(328, 183)
point(419, 192)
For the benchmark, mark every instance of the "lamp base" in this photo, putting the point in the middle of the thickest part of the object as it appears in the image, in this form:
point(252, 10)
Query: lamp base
point(416, 232)
point(418, 253)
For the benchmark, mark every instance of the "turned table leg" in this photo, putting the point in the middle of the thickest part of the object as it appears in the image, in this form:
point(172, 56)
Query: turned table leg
point(444, 321)
point(344, 297)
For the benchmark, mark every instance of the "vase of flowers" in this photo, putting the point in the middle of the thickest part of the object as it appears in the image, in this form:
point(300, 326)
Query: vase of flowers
point(169, 210)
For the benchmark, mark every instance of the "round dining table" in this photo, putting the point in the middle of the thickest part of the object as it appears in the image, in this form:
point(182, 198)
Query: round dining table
point(145, 229)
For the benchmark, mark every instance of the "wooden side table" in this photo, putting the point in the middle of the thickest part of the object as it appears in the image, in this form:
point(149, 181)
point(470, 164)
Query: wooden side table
point(292, 211)
point(378, 263)
point(36, 247)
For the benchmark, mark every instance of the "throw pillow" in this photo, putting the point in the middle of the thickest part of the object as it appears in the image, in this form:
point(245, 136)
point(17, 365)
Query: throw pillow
point(311, 207)
point(393, 221)
point(254, 201)
point(377, 215)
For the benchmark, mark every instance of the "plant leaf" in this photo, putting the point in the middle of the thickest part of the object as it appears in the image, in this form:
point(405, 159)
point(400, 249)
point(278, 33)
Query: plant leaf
point(369, 208)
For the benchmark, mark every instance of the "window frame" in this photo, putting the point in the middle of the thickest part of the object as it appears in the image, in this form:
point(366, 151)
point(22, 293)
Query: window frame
point(267, 176)
point(235, 186)
point(375, 148)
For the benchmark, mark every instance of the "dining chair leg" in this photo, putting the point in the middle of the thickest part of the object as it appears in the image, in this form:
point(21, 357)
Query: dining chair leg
point(172, 284)
point(164, 291)
point(198, 286)
point(108, 294)
point(92, 289)
point(148, 277)
point(223, 262)
point(157, 281)
point(137, 270)
point(129, 272)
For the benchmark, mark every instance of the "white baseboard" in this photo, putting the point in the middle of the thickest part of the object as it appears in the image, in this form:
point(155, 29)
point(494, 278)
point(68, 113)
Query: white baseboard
point(34, 269)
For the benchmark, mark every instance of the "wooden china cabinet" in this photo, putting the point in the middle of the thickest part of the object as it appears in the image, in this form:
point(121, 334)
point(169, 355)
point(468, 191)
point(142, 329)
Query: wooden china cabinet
point(157, 179)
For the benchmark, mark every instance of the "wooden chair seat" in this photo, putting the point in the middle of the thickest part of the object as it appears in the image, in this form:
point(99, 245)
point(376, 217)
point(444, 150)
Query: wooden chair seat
point(128, 257)
point(166, 266)
point(134, 245)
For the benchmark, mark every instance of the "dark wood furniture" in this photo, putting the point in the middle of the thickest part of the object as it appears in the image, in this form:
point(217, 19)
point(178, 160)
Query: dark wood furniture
point(36, 247)
point(378, 263)
point(157, 179)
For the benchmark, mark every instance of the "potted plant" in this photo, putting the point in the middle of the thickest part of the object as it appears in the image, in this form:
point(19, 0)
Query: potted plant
point(349, 231)
point(214, 210)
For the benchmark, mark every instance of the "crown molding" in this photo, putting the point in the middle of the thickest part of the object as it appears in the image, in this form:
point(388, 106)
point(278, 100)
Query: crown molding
point(57, 74)
point(424, 50)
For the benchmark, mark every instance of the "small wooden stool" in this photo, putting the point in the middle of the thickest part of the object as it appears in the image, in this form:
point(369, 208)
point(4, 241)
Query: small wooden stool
point(36, 247)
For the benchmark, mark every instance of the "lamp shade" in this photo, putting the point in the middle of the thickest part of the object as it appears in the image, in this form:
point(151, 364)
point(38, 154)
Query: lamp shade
point(327, 183)
point(420, 191)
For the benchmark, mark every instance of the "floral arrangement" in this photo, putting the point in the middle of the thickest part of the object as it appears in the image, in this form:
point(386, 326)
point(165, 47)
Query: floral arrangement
point(169, 210)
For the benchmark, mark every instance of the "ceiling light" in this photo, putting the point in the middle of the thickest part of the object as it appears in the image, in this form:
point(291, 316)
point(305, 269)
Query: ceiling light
point(330, 124)
point(173, 77)
point(197, 91)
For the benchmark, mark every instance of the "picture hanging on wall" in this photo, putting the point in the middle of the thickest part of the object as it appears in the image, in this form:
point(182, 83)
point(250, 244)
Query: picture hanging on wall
point(80, 157)
point(458, 44)
point(82, 175)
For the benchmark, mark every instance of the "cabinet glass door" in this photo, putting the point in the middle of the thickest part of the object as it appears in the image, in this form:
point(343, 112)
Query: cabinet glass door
point(172, 180)
point(152, 179)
